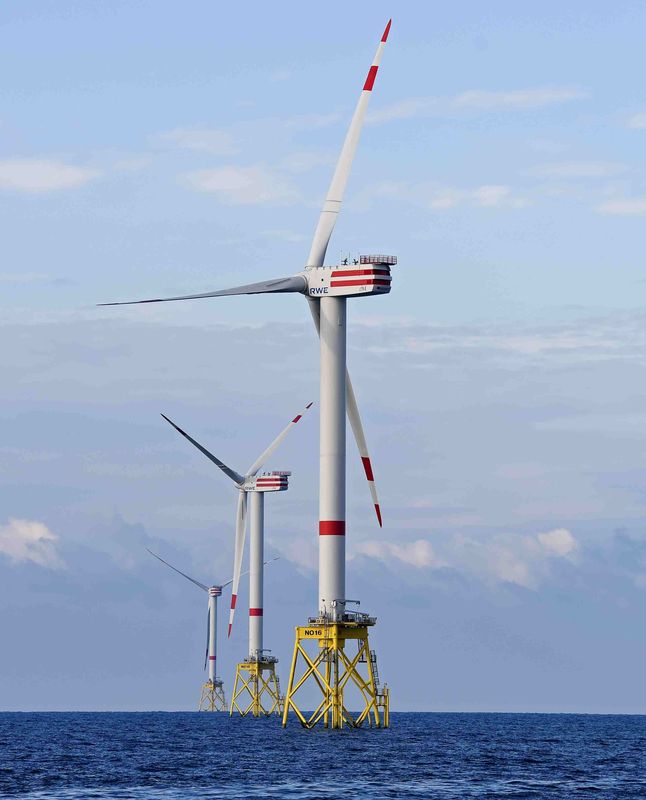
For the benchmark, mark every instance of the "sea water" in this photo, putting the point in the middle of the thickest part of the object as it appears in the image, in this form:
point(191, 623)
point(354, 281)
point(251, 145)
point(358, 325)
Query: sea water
point(168, 756)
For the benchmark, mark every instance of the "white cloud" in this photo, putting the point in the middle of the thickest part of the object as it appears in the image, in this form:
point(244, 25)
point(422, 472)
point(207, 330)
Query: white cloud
point(630, 206)
point(280, 75)
point(406, 109)
point(543, 145)
point(285, 235)
point(26, 540)
point(638, 121)
point(301, 552)
point(244, 185)
point(417, 554)
point(577, 169)
point(558, 542)
point(134, 164)
point(36, 175)
point(517, 98)
point(503, 558)
point(309, 122)
point(207, 140)
point(475, 101)
point(487, 196)
point(507, 558)
point(303, 161)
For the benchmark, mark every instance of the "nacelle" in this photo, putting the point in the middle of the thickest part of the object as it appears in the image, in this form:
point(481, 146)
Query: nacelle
point(369, 276)
point(268, 482)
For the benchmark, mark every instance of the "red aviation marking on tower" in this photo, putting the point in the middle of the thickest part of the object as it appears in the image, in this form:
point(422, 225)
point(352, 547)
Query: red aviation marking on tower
point(211, 658)
point(255, 612)
point(367, 467)
point(370, 80)
point(331, 527)
point(384, 38)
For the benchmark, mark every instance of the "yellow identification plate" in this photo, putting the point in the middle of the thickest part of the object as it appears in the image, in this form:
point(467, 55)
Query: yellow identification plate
point(313, 633)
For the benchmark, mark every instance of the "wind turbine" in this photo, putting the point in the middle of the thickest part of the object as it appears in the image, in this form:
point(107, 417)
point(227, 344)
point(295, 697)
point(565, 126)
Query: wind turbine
point(212, 697)
point(250, 679)
point(327, 289)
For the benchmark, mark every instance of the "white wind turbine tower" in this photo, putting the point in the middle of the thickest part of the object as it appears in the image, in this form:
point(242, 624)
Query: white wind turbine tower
point(253, 692)
point(327, 289)
point(212, 697)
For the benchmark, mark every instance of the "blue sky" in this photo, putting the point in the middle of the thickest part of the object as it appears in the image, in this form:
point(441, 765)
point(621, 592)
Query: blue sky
point(147, 150)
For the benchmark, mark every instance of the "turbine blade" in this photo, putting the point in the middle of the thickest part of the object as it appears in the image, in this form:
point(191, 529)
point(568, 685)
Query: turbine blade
point(208, 635)
point(332, 204)
point(239, 551)
point(235, 476)
point(188, 577)
point(352, 411)
point(257, 464)
point(246, 572)
point(295, 283)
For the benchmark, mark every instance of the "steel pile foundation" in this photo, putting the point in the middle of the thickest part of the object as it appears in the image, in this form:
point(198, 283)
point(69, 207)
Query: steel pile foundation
point(255, 692)
point(332, 669)
point(212, 697)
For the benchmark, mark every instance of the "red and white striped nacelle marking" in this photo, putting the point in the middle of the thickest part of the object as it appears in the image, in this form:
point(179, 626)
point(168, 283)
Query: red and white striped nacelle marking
point(369, 277)
point(215, 591)
point(268, 482)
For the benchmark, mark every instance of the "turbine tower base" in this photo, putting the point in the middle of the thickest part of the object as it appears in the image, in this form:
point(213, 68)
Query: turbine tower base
point(332, 670)
point(256, 690)
point(212, 697)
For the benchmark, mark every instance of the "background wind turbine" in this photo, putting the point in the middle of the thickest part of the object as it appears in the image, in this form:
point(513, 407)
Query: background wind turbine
point(212, 697)
point(327, 289)
point(251, 483)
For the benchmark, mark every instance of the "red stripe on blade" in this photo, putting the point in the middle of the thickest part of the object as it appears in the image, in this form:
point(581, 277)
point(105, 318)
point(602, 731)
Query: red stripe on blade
point(370, 80)
point(378, 510)
point(297, 418)
point(229, 632)
point(309, 405)
point(367, 467)
point(384, 38)
point(234, 598)
point(332, 527)
point(255, 612)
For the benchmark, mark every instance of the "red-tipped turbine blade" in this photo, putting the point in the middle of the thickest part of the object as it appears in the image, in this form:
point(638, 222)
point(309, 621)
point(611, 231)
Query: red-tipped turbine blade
point(257, 464)
point(332, 204)
point(239, 551)
point(352, 411)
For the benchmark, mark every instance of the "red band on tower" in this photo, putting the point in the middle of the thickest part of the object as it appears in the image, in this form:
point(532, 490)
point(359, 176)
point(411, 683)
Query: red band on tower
point(255, 612)
point(332, 527)
point(370, 80)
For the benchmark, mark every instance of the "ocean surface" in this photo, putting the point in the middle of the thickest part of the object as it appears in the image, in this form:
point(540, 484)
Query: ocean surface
point(189, 755)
